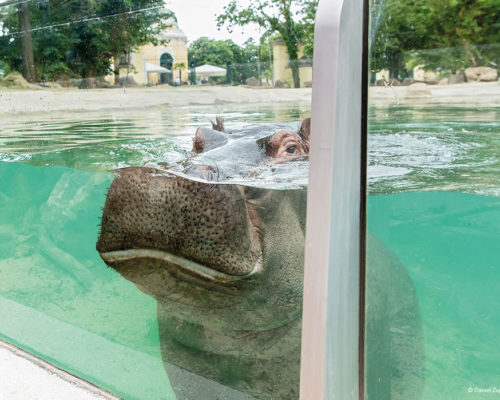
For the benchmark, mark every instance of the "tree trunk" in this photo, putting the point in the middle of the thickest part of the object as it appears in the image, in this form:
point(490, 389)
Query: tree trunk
point(26, 42)
point(396, 66)
point(293, 59)
point(89, 80)
point(116, 69)
point(294, 65)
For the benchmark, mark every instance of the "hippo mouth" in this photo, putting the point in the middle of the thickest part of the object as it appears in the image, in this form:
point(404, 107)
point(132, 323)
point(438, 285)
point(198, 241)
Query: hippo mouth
point(191, 228)
point(177, 264)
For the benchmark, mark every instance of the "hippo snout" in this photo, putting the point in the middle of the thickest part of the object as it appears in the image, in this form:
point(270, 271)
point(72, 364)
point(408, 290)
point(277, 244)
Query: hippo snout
point(205, 229)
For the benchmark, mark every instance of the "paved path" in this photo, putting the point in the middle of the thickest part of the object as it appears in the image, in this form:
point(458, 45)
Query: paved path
point(24, 377)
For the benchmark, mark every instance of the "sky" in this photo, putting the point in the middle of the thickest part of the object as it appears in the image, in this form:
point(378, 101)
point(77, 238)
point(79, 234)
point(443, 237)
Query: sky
point(197, 18)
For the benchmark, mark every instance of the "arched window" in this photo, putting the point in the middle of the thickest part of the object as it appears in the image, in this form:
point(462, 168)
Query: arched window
point(166, 61)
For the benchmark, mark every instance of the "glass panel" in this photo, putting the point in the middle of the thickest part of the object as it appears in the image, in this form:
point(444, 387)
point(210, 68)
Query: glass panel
point(105, 137)
point(433, 206)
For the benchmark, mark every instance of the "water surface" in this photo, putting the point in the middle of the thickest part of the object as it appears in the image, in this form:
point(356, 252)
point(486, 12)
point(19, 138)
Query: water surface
point(434, 181)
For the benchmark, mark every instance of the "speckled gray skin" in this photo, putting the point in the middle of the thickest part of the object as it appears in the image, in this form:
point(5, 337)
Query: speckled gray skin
point(225, 264)
point(246, 332)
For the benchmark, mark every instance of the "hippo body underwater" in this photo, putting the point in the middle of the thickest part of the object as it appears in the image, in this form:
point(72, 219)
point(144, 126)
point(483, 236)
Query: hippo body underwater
point(225, 262)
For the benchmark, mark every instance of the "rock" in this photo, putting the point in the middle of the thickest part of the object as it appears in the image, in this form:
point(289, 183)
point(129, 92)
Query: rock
point(15, 80)
point(384, 83)
point(444, 81)
point(53, 85)
point(63, 80)
point(407, 81)
point(431, 77)
point(419, 89)
point(308, 84)
point(281, 84)
point(103, 84)
point(481, 74)
point(252, 81)
point(75, 82)
point(88, 83)
point(459, 77)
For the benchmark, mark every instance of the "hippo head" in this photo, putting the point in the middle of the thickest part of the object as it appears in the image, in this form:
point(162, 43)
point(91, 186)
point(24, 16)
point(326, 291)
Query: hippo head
point(224, 260)
point(221, 249)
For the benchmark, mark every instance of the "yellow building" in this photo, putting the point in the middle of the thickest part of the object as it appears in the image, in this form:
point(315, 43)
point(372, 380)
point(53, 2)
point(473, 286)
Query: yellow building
point(160, 64)
point(281, 69)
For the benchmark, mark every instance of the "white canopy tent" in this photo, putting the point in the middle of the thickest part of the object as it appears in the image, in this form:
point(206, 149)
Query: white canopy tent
point(153, 68)
point(206, 70)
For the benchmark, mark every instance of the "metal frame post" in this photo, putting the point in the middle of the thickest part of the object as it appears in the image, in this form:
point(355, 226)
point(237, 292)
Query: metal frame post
point(331, 329)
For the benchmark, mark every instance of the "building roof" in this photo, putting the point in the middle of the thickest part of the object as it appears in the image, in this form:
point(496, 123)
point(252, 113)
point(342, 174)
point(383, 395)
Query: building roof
point(173, 33)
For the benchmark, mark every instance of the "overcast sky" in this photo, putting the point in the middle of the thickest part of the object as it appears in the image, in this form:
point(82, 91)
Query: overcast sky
point(197, 18)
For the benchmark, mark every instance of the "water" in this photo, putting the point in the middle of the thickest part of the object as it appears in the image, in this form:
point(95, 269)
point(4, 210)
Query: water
point(448, 242)
point(410, 148)
point(434, 148)
point(104, 141)
point(434, 181)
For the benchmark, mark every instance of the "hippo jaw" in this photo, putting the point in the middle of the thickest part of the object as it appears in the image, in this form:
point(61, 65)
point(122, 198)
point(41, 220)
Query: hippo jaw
point(196, 230)
point(183, 266)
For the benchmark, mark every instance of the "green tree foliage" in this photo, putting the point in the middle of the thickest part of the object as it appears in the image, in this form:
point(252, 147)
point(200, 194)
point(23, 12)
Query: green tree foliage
point(249, 60)
point(79, 38)
point(209, 51)
point(292, 19)
point(438, 34)
point(469, 30)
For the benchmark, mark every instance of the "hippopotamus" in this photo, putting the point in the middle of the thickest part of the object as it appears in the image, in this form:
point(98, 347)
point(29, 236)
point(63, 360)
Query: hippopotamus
point(222, 252)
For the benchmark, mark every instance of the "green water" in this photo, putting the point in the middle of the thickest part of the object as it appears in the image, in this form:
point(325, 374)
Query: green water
point(58, 299)
point(434, 176)
point(449, 244)
point(434, 184)
point(434, 148)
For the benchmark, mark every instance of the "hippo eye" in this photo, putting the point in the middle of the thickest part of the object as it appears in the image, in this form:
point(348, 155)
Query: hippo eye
point(291, 149)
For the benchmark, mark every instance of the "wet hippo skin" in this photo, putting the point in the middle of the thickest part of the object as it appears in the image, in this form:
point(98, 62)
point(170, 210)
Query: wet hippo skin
point(225, 263)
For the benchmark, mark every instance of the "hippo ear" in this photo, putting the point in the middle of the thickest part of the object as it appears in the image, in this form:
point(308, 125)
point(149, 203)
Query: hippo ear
point(218, 125)
point(266, 144)
point(198, 142)
point(305, 130)
point(207, 139)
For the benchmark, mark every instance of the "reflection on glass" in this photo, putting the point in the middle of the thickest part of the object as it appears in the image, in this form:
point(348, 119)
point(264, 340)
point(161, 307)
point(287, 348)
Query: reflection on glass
point(206, 224)
point(434, 187)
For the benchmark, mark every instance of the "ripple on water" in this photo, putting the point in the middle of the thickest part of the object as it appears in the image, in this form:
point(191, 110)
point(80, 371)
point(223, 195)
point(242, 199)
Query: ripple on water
point(410, 148)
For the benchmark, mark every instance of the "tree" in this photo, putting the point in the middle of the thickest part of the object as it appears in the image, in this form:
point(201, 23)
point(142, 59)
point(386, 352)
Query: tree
point(309, 15)
point(117, 28)
point(280, 16)
point(132, 23)
point(438, 34)
point(471, 28)
point(26, 42)
point(79, 38)
point(396, 28)
point(179, 66)
point(246, 61)
point(210, 51)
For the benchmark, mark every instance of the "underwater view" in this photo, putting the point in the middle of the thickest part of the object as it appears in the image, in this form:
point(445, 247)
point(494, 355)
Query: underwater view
point(434, 200)
point(154, 169)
